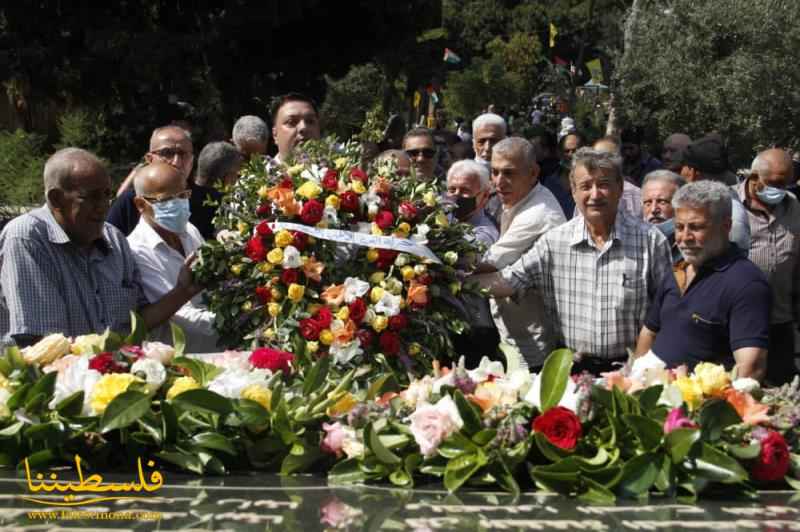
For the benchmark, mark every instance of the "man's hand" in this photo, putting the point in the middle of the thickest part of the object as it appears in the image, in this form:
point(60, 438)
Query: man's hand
point(186, 279)
point(751, 362)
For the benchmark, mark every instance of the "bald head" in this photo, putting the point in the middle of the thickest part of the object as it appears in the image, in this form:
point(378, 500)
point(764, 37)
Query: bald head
point(65, 168)
point(156, 178)
point(672, 152)
point(773, 168)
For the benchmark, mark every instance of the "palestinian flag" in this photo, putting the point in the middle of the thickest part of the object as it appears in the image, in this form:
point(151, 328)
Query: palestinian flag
point(451, 57)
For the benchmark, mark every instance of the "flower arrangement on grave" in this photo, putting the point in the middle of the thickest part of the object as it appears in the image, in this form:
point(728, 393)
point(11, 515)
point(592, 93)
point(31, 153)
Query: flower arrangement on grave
point(319, 258)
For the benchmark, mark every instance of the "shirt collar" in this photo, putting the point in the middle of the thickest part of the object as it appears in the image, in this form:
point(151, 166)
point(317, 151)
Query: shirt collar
point(523, 202)
point(57, 235)
point(147, 235)
point(580, 233)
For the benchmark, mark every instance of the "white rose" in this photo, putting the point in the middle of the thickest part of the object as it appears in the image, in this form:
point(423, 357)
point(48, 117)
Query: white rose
point(389, 304)
point(345, 353)
point(354, 288)
point(76, 378)
point(430, 424)
point(421, 235)
point(232, 381)
point(291, 257)
point(154, 372)
point(158, 351)
point(330, 216)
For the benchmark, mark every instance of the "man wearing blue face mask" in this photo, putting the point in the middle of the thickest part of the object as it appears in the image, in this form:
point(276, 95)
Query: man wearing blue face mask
point(160, 243)
point(658, 188)
point(774, 216)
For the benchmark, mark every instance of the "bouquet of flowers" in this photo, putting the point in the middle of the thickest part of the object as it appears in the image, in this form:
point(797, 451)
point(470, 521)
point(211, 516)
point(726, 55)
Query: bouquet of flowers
point(319, 258)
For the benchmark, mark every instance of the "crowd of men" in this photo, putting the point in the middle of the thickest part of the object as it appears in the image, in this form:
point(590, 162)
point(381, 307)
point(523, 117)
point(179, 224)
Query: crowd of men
point(603, 249)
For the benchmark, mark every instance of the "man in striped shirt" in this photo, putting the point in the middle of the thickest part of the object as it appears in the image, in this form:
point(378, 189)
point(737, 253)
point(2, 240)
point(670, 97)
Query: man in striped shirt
point(596, 273)
point(774, 217)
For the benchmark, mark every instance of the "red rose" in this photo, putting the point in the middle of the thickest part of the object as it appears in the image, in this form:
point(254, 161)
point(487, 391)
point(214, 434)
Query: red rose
point(773, 462)
point(310, 329)
point(105, 363)
point(398, 322)
point(263, 294)
point(358, 173)
point(407, 210)
point(263, 228)
point(390, 342)
point(425, 279)
point(255, 249)
point(286, 183)
point(348, 201)
point(560, 426)
point(272, 359)
point(299, 240)
point(324, 317)
point(290, 276)
point(331, 180)
point(357, 310)
point(264, 210)
point(312, 212)
point(384, 219)
point(385, 258)
point(365, 337)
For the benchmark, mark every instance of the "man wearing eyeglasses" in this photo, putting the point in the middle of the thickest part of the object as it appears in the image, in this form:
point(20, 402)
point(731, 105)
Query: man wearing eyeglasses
point(160, 243)
point(168, 144)
point(64, 269)
point(420, 147)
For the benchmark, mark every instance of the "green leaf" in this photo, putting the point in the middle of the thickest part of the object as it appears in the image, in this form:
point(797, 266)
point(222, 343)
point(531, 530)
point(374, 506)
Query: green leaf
point(484, 436)
point(45, 385)
point(15, 358)
point(715, 416)
point(399, 477)
point(665, 480)
point(504, 477)
point(212, 440)
point(638, 475)
point(199, 400)
point(12, 430)
point(374, 443)
point(385, 383)
point(178, 339)
point(42, 458)
point(43, 431)
point(316, 375)
point(648, 398)
point(18, 397)
point(300, 463)
point(793, 482)
point(194, 366)
point(411, 463)
point(550, 451)
point(647, 431)
point(5, 367)
point(596, 493)
point(71, 405)
point(138, 330)
point(469, 414)
point(123, 410)
point(715, 465)
point(560, 477)
point(459, 470)
point(251, 412)
point(34, 402)
point(679, 443)
point(745, 452)
point(169, 422)
point(186, 461)
point(555, 374)
point(346, 472)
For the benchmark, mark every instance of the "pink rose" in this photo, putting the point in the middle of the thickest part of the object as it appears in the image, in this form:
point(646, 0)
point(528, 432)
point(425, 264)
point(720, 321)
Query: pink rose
point(677, 420)
point(335, 435)
point(158, 351)
point(431, 424)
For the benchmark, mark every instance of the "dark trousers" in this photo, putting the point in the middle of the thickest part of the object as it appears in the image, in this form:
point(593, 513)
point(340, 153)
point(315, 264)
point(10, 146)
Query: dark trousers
point(781, 366)
point(596, 366)
point(479, 342)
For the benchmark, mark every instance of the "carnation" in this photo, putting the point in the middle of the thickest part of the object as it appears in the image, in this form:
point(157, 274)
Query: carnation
point(431, 424)
point(357, 310)
point(272, 359)
point(105, 363)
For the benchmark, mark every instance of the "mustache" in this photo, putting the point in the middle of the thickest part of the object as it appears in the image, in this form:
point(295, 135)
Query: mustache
point(656, 219)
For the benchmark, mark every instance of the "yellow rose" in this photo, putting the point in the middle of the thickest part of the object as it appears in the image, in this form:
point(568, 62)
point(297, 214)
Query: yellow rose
point(107, 388)
point(380, 323)
point(429, 198)
point(343, 314)
point(86, 344)
point(691, 390)
point(258, 393)
point(180, 385)
point(340, 163)
point(342, 406)
point(326, 337)
point(312, 347)
point(372, 255)
point(377, 277)
point(403, 229)
point(712, 378)
point(295, 170)
point(265, 267)
point(441, 219)
point(309, 190)
point(274, 309)
point(296, 292)
point(377, 231)
point(357, 186)
point(407, 272)
point(263, 192)
point(243, 228)
point(275, 256)
point(376, 294)
point(283, 238)
point(333, 201)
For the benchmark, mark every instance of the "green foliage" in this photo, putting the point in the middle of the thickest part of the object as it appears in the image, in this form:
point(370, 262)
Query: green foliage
point(348, 99)
point(728, 68)
point(21, 168)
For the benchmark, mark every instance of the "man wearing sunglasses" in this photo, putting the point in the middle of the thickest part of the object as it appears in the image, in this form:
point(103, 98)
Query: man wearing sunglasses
point(64, 269)
point(168, 144)
point(161, 242)
point(420, 147)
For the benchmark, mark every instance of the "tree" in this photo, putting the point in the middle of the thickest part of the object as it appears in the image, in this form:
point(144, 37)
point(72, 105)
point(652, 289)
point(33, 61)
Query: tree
point(730, 67)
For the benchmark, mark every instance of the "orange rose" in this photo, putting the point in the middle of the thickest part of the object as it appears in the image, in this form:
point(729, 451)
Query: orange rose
point(343, 335)
point(417, 294)
point(333, 295)
point(313, 269)
point(751, 411)
point(381, 186)
point(284, 199)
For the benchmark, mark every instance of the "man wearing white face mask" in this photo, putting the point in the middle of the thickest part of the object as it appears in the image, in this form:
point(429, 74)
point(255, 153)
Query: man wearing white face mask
point(658, 188)
point(774, 216)
point(160, 243)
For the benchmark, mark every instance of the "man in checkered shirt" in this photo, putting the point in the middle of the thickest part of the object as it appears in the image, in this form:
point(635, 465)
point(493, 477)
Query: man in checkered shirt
point(596, 273)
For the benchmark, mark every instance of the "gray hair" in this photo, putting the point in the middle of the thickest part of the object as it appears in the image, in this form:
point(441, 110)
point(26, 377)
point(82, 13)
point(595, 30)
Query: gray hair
point(489, 119)
point(216, 160)
point(469, 167)
point(665, 176)
point(705, 194)
point(594, 161)
point(62, 164)
point(511, 146)
point(250, 128)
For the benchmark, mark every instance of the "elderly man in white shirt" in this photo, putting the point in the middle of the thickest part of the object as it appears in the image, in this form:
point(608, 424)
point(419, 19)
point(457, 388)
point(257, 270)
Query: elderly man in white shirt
point(529, 211)
point(160, 243)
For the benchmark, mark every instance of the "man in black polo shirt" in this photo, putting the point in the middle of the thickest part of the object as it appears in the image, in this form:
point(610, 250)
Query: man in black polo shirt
point(715, 308)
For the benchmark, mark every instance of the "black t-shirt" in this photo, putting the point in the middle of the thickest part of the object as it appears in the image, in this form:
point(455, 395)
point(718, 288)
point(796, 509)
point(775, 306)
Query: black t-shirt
point(202, 215)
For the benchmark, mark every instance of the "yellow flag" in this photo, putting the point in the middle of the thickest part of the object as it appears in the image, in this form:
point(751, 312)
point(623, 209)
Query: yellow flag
point(596, 70)
point(553, 33)
point(417, 99)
